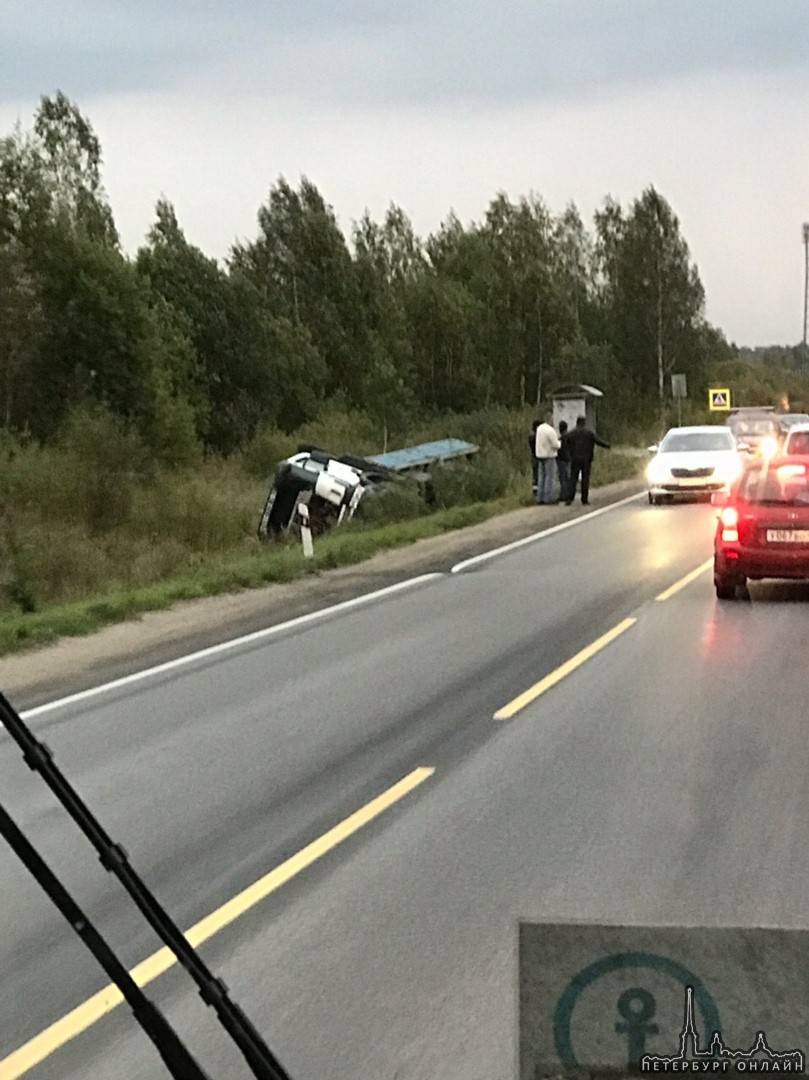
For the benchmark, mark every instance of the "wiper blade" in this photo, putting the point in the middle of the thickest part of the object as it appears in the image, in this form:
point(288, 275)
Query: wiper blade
point(174, 1053)
point(114, 859)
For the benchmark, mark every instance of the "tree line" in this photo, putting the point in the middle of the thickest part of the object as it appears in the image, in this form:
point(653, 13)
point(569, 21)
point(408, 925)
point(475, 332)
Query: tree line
point(198, 356)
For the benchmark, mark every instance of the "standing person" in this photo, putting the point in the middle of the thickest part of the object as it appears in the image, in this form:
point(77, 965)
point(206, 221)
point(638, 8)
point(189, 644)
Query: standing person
point(546, 446)
point(563, 461)
point(581, 443)
point(532, 447)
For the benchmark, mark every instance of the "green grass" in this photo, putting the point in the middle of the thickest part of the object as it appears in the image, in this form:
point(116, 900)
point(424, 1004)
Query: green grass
point(232, 570)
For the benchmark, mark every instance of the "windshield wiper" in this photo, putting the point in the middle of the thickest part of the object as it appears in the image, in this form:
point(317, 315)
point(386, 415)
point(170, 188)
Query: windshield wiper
point(113, 858)
point(174, 1053)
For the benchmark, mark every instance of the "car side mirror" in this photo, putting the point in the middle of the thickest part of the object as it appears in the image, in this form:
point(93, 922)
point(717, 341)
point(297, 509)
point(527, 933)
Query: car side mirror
point(653, 449)
point(720, 498)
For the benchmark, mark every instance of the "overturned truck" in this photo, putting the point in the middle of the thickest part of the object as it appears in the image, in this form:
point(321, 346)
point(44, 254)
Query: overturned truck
point(331, 487)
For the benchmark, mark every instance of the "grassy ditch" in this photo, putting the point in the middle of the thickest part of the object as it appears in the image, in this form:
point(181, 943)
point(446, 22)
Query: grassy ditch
point(86, 543)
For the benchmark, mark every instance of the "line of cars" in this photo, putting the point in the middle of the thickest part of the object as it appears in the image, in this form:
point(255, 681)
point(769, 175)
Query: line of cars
point(758, 474)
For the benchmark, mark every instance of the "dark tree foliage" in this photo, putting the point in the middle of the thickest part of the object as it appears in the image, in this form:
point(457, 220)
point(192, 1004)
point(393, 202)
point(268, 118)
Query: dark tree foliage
point(252, 368)
point(653, 300)
point(301, 266)
point(191, 353)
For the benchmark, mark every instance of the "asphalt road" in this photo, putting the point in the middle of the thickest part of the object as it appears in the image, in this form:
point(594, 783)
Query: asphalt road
point(660, 781)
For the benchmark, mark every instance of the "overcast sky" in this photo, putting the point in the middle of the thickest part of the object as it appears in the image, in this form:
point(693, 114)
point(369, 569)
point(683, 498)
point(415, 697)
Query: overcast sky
point(440, 105)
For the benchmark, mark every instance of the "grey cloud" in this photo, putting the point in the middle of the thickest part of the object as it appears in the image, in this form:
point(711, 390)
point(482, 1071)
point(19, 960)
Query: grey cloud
point(106, 46)
point(411, 52)
point(527, 50)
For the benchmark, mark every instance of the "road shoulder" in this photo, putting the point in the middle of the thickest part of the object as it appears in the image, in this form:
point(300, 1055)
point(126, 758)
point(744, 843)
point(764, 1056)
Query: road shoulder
point(74, 664)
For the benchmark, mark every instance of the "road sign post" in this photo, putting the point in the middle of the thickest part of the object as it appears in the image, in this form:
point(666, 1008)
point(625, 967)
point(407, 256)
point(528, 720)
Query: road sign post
point(679, 390)
point(627, 999)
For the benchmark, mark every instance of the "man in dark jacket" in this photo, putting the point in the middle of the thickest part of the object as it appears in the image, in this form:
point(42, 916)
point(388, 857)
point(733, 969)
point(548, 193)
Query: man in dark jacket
point(532, 447)
point(563, 462)
point(581, 443)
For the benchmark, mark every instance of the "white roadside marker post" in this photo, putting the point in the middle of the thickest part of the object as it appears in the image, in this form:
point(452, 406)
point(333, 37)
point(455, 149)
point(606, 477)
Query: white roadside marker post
point(306, 531)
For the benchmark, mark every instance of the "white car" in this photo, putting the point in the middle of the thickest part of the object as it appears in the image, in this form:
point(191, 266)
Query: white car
point(692, 461)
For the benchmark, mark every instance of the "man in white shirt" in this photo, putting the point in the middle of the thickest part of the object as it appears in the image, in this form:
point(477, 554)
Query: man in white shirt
point(546, 446)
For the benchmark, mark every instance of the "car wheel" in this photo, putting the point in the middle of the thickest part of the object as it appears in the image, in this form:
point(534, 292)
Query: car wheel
point(725, 590)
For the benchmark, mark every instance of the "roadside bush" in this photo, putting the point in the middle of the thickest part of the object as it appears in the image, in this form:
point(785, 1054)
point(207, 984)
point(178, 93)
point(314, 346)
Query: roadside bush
point(493, 428)
point(18, 585)
point(484, 478)
point(43, 564)
point(212, 509)
point(610, 466)
point(38, 479)
point(101, 460)
point(88, 476)
point(341, 431)
point(265, 450)
point(501, 430)
point(394, 502)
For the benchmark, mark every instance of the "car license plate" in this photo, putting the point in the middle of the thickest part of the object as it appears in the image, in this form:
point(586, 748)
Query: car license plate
point(694, 481)
point(788, 536)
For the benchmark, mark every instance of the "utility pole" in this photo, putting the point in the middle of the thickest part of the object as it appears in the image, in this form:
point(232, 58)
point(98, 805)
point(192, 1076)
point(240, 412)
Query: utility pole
point(660, 371)
point(805, 290)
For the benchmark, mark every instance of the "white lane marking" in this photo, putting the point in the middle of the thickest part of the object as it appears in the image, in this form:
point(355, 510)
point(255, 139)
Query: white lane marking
point(225, 646)
point(545, 532)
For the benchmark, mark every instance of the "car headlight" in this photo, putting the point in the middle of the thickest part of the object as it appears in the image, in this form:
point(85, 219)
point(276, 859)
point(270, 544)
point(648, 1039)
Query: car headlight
point(769, 447)
point(657, 472)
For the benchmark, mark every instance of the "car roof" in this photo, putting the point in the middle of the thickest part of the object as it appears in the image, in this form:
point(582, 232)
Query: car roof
point(752, 418)
point(752, 414)
point(698, 427)
point(798, 427)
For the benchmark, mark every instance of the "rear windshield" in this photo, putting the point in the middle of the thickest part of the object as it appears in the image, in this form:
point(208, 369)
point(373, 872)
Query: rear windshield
point(798, 442)
point(678, 441)
point(753, 427)
point(784, 484)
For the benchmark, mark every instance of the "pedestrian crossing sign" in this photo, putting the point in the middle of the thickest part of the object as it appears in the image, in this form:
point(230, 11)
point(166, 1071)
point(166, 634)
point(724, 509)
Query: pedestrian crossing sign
point(719, 400)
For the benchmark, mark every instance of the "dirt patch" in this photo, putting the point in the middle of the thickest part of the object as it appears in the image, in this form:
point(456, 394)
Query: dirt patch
point(74, 664)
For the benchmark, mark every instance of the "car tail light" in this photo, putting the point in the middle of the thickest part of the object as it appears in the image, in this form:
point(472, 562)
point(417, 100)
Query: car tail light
point(729, 520)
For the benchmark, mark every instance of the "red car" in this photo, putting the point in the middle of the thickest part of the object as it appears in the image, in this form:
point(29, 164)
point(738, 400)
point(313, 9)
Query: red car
point(763, 527)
